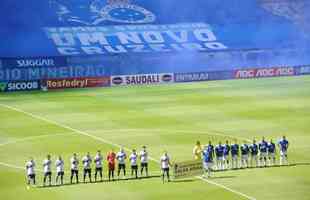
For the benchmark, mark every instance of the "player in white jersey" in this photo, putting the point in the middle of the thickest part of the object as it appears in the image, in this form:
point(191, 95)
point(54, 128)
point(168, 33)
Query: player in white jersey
point(144, 160)
point(60, 170)
point(121, 158)
point(87, 167)
point(98, 161)
point(165, 164)
point(30, 169)
point(47, 170)
point(133, 162)
point(74, 168)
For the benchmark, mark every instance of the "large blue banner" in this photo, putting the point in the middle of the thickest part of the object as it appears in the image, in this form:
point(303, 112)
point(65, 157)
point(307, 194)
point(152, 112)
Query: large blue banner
point(88, 27)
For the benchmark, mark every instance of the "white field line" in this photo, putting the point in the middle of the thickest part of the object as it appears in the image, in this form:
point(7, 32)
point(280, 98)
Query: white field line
point(67, 127)
point(99, 139)
point(32, 138)
point(226, 188)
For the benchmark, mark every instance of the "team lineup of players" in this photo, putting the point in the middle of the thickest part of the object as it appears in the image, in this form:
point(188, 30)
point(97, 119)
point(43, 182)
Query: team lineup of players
point(87, 161)
point(252, 155)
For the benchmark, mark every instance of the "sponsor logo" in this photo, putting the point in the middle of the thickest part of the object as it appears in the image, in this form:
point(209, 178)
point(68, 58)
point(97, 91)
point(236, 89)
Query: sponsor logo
point(305, 70)
point(20, 86)
point(35, 62)
point(191, 77)
point(167, 77)
point(95, 12)
point(142, 79)
point(78, 83)
point(117, 80)
point(2, 86)
point(265, 72)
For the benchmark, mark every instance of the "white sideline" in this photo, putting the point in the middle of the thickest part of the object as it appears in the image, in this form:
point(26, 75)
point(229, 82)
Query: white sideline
point(104, 141)
point(66, 127)
point(32, 138)
point(226, 188)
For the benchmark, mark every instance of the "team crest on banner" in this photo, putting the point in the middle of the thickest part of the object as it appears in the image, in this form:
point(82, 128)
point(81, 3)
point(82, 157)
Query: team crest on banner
point(96, 12)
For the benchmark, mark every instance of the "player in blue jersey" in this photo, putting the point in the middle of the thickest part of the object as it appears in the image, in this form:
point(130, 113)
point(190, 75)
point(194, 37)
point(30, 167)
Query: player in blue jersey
point(271, 153)
point(219, 152)
point(207, 160)
point(210, 148)
point(226, 155)
point(234, 149)
point(244, 155)
point(283, 145)
point(254, 152)
point(263, 147)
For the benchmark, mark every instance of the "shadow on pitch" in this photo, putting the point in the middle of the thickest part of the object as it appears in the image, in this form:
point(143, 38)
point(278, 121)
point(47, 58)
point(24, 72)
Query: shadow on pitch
point(98, 182)
point(223, 177)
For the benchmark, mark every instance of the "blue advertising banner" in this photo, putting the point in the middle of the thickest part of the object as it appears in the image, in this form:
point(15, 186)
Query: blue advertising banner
point(13, 86)
point(15, 74)
point(203, 76)
point(302, 70)
point(34, 62)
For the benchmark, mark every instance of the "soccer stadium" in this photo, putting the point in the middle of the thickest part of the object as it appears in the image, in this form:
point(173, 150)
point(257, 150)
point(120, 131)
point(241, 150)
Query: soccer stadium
point(155, 99)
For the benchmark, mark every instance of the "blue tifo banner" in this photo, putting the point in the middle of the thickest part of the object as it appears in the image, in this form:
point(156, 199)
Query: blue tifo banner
point(33, 62)
point(203, 76)
point(13, 86)
point(134, 39)
point(87, 27)
point(36, 73)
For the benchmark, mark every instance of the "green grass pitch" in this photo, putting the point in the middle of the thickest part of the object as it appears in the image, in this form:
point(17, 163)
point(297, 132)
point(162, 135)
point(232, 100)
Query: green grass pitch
point(166, 117)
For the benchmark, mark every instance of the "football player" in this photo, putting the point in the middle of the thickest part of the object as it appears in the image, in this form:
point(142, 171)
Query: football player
point(244, 155)
point(283, 145)
point(219, 152)
point(47, 170)
point(226, 155)
point(87, 167)
point(133, 162)
point(254, 153)
point(207, 161)
point(74, 168)
point(98, 161)
point(197, 151)
point(121, 158)
point(165, 164)
point(30, 169)
point(263, 147)
point(144, 160)
point(60, 170)
point(234, 149)
point(111, 164)
point(271, 153)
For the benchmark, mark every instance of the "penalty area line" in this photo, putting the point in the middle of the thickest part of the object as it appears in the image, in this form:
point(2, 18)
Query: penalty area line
point(227, 188)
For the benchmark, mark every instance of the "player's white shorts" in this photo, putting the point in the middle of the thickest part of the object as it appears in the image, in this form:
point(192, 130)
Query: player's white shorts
point(245, 157)
point(234, 157)
point(272, 155)
point(283, 153)
point(226, 157)
point(263, 155)
point(208, 165)
point(254, 157)
point(220, 158)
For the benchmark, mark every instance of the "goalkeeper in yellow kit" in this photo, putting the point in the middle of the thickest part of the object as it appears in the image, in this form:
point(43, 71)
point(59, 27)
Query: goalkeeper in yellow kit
point(197, 151)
